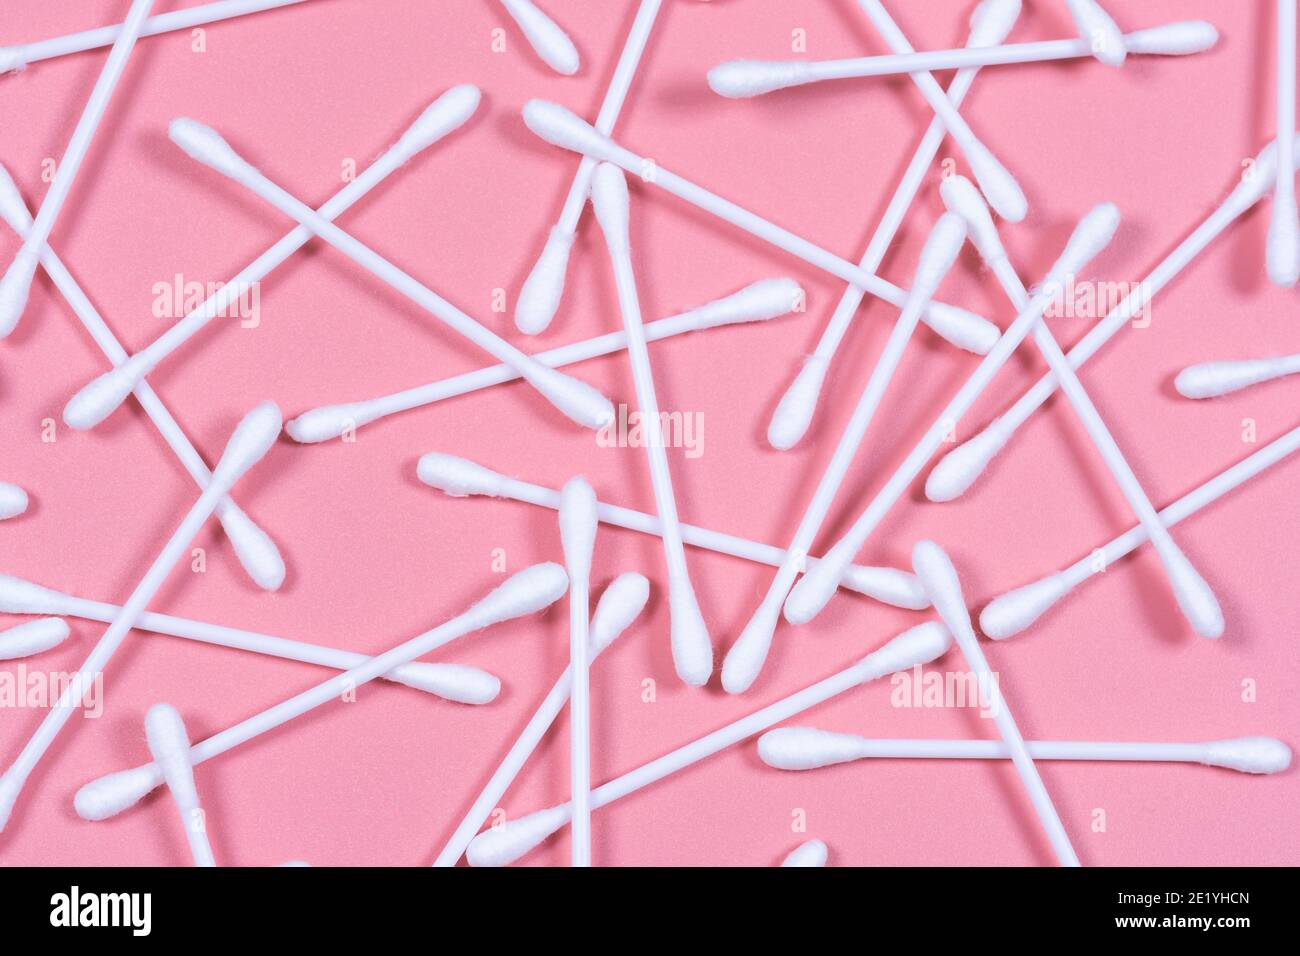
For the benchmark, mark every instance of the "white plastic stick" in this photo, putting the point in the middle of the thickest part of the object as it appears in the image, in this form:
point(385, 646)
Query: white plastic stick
point(169, 743)
point(1211, 379)
point(578, 524)
point(544, 35)
point(1284, 228)
point(13, 501)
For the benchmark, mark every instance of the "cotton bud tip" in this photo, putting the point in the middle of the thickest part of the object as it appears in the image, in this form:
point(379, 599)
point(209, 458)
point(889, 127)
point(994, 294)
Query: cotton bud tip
point(503, 844)
point(13, 501)
point(444, 115)
point(620, 605)
point(807, 748)
point(1248, 754)
point(918, 645)
point(1173, 39)
point(539, 299)
point(742, 78)
point(326, 422)
point(205, 144)
point(526, 592)
point(563, 128)
point(991, 21)
point(32, 637)
point(1009, 614)
point(813, 853)
point(249, 443)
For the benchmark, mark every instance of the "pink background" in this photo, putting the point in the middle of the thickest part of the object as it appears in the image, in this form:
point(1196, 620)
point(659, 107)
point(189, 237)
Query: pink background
point(375, 557)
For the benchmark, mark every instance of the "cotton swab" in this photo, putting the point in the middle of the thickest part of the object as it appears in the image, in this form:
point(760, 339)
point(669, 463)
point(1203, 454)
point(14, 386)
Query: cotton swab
point(563, 128)
point(169, 743)
point(1284, 229)
point(19, 56)
point(1003, 192)
point(460, 477)
point(544, 35)
point(13, 501)
point(578, 524)
point(807, 748)
point(16, 283)
point(1016, 610)
point(958, 470)
point(938, 575)
point(812, 853)
point(762, 300)
point(990, 23)
point(1099, 30)
point(922, 644)
point(32, 637)
point(810, 595)
point(528, 591)
point(251, 440)
point(455, 682)
point(578, 400)
point(1211, 379)
point(257, 553)
point(745, 659)
point(689, 635)
point(539, 299)
point(618, 607)
point(97, 400)
point(741, 78)
point(1194, 595)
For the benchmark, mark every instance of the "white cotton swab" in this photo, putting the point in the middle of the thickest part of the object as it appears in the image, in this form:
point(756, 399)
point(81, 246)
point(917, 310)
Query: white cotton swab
point(539, 299)
point(1099, 30)
point(98, 399)
point(1211, 379)
point(169, 743)
point(460, 477)
point(1013, 612)
point(1283, 255)
point(1194, 595)
point(745, 659)
point(808, 748)
point(528, 591)
point(990, 23)
point(561, 127)
point(15, 285)
point(19, 56)
point(544, 35)
point(257, 552)
point(454, 682)
point(578, 400)
point(759, 301)
point(810, 595)
point(251, 440)
point(692, 649)
point(13, 501)
point(922, 644)
point(813, 853)
point(32, 637)
point(938, 575)
point(958, 470)
point(578, 524)
point(618, 607)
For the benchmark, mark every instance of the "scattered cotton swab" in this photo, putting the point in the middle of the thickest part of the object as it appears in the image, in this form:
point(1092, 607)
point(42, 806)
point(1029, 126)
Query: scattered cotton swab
point(1099, 30)
point(807, 748)
point(1284, 229)
point(527, 592)
point(15, 285)
point(13, 501)
point(812, 853)
point(169, 743)
point(545, 36)
point(938, 575)
point(455, 682)
point(251, 440)
point(922, 644)
point(618, 607)
point(746, 657)
point(32, 637)
point(578, 524)
point(1211, 379)
point(98, 399)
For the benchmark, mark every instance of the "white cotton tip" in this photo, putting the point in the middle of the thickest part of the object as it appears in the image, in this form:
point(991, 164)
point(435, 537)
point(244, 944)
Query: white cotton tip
point(745, 658)
point(295, 863)
point(1248, 754)
point(12, 59)
point(918, 645)
point(938, 253)
point(1258, 177)
point(806, 748)
point(1096, 26)
point(812, 853)
point(525, 592)
point(502, 845)
point(991, 21)
point(170, 745)
point(757, 302)
point(1210, 379)
point(620, 605)
point(1193, 594)
point(961, 197)
point(206, 145)
point(454, 682)
point(814, 590)
point(1173, 39)
point(564, 128)
point(100, 397)
point(18, 596)
point(249, 443)
point(609, 197)
point(1093, 233)
point(32, 637)
point(794, 412)
point(550, 42)
point(444, 115)
point(887, 585)
point(1283, 247)
point(12, 207)
point(996, 182)
point(578, 523)
point(13, 501)
point(539, 299)
point(1009, 614)
point(459, 477)
point(580, 402)
point(741, 78)
point(689, 635)
point(935, 569)
point(257, 553)
point(962, 328)
point(328, 421)
point(112, 793)
point(15, 287)
point(957, 470)
point(10, 787)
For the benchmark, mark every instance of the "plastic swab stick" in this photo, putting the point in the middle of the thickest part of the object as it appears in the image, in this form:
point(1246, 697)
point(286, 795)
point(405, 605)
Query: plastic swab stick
point(13, 501)
point(578, 524)
point(745, 659)
point(1284, 229)
point(460, 477)
point(1105, 39)
point(938, 575)
point(618, 607)
point(97, 400)
point(526, 592)
point(257, 553)
point(1211, 379)
point(32, 637)
point(1194, 595)
point(810, 594)
point(545, 36)
point(812, 853)
point(169, 743)
point(922, 644)
point(539, 299)
point(1016, 610)
point(958, 470)
point(16, 283)
point(455, 682)
point(692, 649)
point(807, 748)
point(563, 128)
point(251, 440)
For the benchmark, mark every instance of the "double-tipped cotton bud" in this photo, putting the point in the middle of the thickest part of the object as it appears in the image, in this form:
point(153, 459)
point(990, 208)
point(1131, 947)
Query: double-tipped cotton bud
point(250, 441)
point(545, 36)
point(1248, 754)
point(32, 637)
point(444, 115)
point(812, 853)
point(806, 748)
point(1210, 379)
point(13, 501)
point(1173, 39)
point(1009, 614)
point(564, 128)
point(1096, 26)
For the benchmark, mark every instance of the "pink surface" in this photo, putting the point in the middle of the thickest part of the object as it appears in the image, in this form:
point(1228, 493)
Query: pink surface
point(375, 557)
